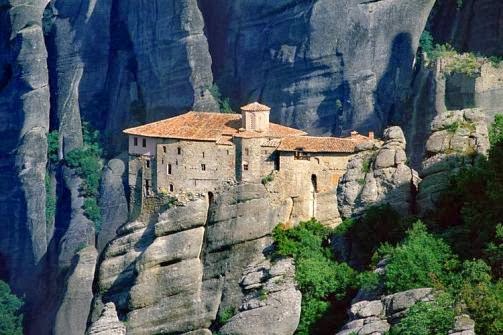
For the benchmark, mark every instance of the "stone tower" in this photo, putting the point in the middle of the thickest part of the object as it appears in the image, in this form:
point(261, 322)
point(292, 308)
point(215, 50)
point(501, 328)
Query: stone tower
point(255, 117)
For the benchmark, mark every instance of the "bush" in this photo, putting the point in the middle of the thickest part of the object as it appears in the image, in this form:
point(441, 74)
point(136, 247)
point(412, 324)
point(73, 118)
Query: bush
point(53, 147)
point(92, 212)
point(267, 179)
point(426, 42)
point(86, 162)
point(427, 318)
point(226, 315)
point(223, 103)
point(320, 277)
point(496, 130)
point(420, 261)
point(50, 200)
point(11, 319)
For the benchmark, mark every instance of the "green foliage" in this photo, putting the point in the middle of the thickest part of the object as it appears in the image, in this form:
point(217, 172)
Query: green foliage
point(267, 179)
point(453, 127)
point(11, 319)
point(263, 294)
point(225, 315)
point(223, 102)
point(496, 61)
point(366, 166)
point(379, 224)
point(369, 280)
point(92, 212)
point(53, 147)
point(319, 276)
point(420, 261)
point(467, 64)
point(427, 318)
point(496, 130)
point(426, 42)
point(459, 4)
point(86, 162)
point(50, 200)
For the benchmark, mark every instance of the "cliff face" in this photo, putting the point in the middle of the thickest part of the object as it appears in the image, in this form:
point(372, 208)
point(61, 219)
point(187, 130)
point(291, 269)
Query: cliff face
point(177, 270)
point(325, 66)
point(477, 25)
point(24, 121)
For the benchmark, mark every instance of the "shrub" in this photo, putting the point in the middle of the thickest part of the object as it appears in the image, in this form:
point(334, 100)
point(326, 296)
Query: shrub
point(11, 319)
point(496, 130)
point(426, 42)
point(267, 179)
point(427, 318)
point(320, 277)
point(226, 314)
point(53, 147)
point(50, 200)
point(223, 103)
point(86, 162)
point(92, 212)
point(366, 166)
point(420, 261)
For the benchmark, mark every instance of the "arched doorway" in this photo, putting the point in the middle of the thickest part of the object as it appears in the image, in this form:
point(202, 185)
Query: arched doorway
point(314, 190)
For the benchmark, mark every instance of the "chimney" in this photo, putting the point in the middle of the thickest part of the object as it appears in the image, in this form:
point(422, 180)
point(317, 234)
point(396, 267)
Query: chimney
point(255, 117)
point(371, 135)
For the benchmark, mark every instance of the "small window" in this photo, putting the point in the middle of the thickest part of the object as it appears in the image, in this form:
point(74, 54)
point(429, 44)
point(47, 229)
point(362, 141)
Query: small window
point(169, 168)
point(135, 141)
point(171, 188)
point(164, 149)
point(247, 152)
point(203, 167)
point(147, 187)
point(228, 152)
point(144, 142)
point(179, 150)
point(148, 163)
point(176, 162)
point(162, 161)
point(245, 166)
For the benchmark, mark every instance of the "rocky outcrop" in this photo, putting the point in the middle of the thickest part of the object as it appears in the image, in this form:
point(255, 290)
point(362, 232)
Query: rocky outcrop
point(457, 138)
point(108, 323)
point(271, 304)
point(463, 325)
point(376, 316)
point(175, 272)
point(378, 173)
point(71, 318)
point(324, 66)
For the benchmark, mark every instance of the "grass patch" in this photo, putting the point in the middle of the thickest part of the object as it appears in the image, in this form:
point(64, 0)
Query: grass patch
point(267, 179)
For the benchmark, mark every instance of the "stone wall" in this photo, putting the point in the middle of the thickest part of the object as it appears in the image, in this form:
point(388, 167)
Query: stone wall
point(187, 174)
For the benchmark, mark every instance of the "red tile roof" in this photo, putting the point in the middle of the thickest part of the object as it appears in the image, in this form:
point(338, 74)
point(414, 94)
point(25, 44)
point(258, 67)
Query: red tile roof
point(256, 107)
point(201, 126)
point(318, 144)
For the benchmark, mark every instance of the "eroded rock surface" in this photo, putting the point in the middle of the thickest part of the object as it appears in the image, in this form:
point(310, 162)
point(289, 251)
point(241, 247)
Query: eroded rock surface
point(378, 173)
point(326, 66)
point(271, 304)
point(108, 323)
point(457, 138)
point(177, 271)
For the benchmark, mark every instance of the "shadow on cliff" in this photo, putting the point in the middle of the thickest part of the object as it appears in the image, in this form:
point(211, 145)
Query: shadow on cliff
point(394, 85)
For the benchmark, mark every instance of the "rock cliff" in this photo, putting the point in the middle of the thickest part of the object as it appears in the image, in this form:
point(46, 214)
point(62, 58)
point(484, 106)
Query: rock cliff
point(178, 270)
point(379, 174)
point(324, 66)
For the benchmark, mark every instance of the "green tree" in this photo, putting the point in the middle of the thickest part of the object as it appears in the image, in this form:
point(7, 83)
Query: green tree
point(11, 319)
point(53, 146)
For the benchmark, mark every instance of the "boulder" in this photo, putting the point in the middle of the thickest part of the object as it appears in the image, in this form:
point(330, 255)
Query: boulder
point(108, 323)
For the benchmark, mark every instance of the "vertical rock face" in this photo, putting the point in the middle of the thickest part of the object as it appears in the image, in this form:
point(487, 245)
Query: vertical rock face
point(24, 120)
point(324, 66)
point(379, 174)
point(73, 312)
point(476, 26)
point(176, 272)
